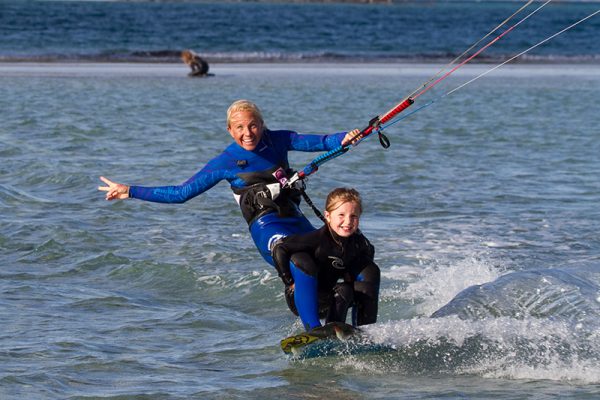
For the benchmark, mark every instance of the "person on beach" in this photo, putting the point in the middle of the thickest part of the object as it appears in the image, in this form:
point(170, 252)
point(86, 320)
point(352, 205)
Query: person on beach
point(256, 166)
point(327, 271)
point(196, 63)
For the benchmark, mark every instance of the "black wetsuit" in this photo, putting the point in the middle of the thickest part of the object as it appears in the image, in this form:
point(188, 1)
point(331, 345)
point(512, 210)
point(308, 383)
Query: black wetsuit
point(199, 66)
point(343, 272)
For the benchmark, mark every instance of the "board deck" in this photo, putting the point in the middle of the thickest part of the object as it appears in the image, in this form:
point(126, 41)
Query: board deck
point(334, 330)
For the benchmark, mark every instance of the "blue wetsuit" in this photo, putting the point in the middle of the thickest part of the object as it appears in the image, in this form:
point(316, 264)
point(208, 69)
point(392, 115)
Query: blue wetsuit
point(248, 172)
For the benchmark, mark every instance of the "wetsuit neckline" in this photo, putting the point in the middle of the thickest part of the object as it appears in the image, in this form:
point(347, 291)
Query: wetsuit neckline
point(339, 240)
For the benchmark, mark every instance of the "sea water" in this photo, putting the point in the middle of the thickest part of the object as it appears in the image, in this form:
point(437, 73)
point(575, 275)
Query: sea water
point(483, 213)
point(278, 31)
point(495, 186)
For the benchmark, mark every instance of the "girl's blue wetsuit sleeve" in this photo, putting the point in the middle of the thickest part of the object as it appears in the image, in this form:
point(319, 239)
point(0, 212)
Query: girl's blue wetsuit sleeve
point(235, 162)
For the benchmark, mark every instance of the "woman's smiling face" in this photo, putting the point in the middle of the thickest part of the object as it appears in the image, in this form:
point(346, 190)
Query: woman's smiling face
point(245, 129)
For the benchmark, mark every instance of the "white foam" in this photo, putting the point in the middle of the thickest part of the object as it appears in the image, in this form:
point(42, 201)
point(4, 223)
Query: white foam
point(496, 347)
point(437, 284)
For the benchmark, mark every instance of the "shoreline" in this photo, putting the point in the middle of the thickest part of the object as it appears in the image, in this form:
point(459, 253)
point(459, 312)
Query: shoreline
point(66, 69)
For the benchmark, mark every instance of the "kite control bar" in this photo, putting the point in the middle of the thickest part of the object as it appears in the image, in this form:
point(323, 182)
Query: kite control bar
point(374, 125)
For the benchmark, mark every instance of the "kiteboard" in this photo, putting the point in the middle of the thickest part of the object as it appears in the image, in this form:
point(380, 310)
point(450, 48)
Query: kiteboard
point(332, 339)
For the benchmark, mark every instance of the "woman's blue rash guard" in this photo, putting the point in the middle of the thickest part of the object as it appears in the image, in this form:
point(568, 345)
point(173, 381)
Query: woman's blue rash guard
point(272, 151)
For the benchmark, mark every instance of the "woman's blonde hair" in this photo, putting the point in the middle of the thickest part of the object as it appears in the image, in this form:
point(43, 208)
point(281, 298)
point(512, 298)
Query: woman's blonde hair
point(339, 196)
point(244, 105)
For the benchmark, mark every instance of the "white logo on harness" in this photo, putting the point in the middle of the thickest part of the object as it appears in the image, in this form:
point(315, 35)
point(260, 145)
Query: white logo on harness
point(273, 239)
point(281, 176)
point(336, 262)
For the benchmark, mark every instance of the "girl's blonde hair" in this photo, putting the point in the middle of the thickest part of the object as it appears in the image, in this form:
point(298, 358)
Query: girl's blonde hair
point(339, 196)
point(244, 105)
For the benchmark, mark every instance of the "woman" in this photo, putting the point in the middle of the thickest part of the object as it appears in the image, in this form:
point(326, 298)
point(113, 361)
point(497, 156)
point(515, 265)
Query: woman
point(255, 165)
point(331, 269)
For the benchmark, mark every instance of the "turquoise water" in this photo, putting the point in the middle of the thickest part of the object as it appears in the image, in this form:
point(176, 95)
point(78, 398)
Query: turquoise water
point(493, 189)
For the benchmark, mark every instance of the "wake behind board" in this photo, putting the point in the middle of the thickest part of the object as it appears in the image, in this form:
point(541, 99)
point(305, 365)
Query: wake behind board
point(331, 334)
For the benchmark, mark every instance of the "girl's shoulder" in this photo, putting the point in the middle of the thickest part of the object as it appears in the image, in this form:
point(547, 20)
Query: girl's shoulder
point(363, 243)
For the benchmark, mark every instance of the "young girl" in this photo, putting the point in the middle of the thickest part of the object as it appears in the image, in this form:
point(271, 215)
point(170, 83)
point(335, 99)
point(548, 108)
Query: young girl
point(331, 269)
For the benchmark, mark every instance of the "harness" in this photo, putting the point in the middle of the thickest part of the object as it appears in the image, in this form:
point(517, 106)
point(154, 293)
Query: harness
point(268, 195)
point(271, 191)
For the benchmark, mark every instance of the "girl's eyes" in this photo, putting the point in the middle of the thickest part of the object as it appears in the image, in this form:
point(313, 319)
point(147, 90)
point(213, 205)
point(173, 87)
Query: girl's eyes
point(351, 216)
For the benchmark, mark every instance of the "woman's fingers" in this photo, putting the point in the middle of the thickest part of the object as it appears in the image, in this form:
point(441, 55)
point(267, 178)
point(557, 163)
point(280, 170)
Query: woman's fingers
point(114, 190)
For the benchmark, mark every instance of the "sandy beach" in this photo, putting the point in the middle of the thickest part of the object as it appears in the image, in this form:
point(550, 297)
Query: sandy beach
point(388, 69)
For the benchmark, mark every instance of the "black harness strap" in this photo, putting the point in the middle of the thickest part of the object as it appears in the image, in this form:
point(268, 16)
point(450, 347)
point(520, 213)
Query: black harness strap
point(310, 203)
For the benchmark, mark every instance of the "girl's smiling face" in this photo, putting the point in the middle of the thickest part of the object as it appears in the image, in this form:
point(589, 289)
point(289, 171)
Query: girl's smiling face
point(344, 219)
